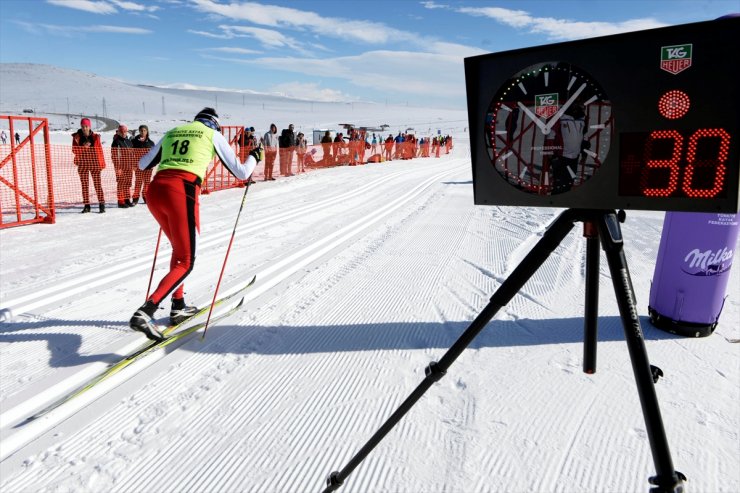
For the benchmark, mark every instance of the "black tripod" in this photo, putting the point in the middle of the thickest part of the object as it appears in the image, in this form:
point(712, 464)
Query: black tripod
point(599, 226)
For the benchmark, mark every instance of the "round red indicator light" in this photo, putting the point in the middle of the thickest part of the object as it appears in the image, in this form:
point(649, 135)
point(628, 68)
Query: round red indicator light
point(674, 104)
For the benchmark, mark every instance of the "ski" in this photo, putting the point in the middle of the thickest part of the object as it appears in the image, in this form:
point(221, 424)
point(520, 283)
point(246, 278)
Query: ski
point(172, 333)
point(174, 328)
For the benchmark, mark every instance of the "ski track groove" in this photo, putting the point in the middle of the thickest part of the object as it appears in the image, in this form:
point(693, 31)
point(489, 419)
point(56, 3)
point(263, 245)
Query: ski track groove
point(214, 239)
point(299, 406)
point(384, 178)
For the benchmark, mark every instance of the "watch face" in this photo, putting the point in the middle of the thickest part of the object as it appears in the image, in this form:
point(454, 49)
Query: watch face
point(548, 129)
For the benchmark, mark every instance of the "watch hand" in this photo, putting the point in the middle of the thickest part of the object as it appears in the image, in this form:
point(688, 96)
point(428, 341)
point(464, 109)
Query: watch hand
point(533, 117)
point(562, 110)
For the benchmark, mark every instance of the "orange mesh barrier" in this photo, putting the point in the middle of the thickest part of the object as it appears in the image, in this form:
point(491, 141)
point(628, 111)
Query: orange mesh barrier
point(35, 178)
point(26, 193)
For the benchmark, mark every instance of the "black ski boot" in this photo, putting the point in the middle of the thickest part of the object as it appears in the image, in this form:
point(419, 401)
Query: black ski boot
point(101, 207)
point(142, 322)
point(85, 209)
point(180, 311)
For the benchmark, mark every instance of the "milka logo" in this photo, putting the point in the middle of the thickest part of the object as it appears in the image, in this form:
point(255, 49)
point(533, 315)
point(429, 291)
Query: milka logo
point(676, 58)
point(707, 263)
point(546, 104)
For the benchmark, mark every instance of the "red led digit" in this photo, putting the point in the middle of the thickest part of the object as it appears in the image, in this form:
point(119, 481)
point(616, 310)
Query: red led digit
point(719, 163)
point(671, 164)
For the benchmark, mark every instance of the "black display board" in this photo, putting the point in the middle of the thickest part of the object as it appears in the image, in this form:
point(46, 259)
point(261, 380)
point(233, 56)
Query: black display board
point(645, 120)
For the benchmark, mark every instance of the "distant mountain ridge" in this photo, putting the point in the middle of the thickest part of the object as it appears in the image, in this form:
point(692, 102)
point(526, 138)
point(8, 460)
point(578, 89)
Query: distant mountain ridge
point(48, 90)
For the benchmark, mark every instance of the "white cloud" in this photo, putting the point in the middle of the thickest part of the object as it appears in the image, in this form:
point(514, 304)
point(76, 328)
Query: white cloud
point(104, 6)
point(114, 29)
point(266, 37)
point(133, 6)
point(211, 35)
point(269, 38)
point(434, 5)
point(431, 74)
point(96, 7)
point(367, 32)
point(72, 31)
point(232, 49)
point(310, 91)
point(558, 29)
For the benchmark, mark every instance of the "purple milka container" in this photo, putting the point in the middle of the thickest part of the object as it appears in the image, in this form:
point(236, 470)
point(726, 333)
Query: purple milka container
point(692, 271)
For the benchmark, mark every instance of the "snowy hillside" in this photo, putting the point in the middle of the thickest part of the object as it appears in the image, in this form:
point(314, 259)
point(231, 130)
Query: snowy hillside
point(51, 91)
point(364, 275)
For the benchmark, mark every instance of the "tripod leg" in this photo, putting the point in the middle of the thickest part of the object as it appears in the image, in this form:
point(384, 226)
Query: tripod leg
point(436, 370)
point(591, 307)
point(667, 478)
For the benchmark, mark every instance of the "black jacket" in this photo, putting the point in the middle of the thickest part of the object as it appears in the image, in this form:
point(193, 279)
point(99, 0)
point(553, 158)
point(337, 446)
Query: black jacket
point(287, 138)
point(138, 143)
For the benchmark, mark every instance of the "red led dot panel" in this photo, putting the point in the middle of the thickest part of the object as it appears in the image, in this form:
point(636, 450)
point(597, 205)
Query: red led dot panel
point(674, 104)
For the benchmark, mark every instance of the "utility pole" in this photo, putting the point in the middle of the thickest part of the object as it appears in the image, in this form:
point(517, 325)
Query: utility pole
point(163, 112)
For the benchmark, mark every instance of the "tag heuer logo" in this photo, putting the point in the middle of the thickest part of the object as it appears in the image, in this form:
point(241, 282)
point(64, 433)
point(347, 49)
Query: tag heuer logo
point(546, 104)
point(675, 59)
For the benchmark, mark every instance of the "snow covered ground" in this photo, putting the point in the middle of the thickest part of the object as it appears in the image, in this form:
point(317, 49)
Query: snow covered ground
point(365, 275)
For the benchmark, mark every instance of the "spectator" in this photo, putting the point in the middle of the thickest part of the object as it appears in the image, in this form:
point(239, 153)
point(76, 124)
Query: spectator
point(399, 140)
point(337, 146)
point(88, 157)
point(326, 146)
point(17, 138)
point(362, 145)
point(182, 158)
point(246, 142)
point(374, 144)
point(353, 148)
point(142, 177)
point(271, 147)
point(301, 147)
point(123, 165)
point(4, 137)
point(388, 147)
point(287, 150)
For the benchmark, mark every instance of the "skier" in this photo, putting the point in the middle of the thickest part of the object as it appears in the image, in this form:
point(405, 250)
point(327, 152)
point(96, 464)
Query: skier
point(570, 140)
point(183, 156)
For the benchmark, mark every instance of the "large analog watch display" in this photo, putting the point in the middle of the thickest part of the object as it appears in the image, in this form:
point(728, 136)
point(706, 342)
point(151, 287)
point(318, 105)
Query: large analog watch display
point(548, 128)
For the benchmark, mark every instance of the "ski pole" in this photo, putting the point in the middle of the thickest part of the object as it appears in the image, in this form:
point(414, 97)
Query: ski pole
point(151, 276)
point(223, 267)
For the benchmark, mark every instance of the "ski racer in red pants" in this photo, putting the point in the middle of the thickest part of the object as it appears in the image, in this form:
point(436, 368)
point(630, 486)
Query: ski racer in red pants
point(182, 158)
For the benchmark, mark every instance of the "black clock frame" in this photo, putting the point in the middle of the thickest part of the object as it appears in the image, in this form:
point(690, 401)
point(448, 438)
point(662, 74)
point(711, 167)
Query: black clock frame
point(627, 66)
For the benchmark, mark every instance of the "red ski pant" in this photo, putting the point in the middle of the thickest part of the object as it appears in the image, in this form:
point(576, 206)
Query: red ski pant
point(172, 199)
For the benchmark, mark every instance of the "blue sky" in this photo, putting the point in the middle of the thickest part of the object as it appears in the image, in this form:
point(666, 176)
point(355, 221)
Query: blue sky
point(400, 51)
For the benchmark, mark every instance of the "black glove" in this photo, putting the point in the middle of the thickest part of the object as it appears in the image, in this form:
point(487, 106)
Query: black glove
point(256, 153)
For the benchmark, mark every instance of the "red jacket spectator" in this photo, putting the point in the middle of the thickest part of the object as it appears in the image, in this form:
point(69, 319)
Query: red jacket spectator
point(88, 157)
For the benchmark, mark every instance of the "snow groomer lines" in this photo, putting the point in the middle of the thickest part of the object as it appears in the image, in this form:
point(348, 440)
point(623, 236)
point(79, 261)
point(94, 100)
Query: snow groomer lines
point(123, 268)
point(268, 277)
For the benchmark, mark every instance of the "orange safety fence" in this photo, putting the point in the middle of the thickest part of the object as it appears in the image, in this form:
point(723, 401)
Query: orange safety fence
point(26, 194)
point(50, 171)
